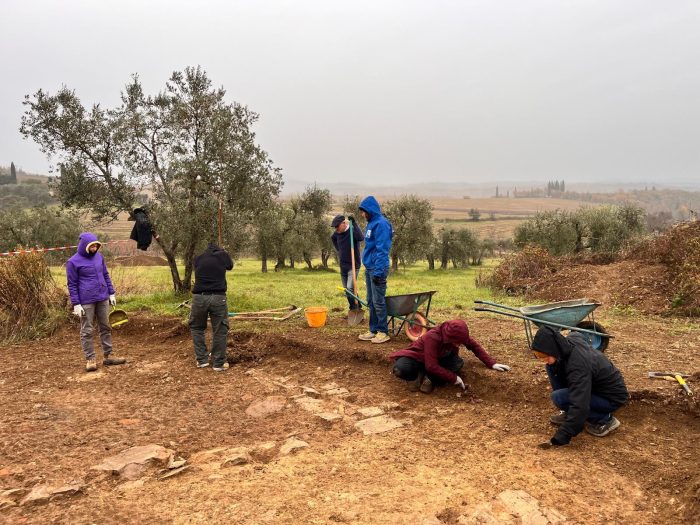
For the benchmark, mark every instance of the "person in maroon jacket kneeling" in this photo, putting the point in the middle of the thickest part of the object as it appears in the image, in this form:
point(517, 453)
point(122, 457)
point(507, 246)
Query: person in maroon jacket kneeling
point(434, 359)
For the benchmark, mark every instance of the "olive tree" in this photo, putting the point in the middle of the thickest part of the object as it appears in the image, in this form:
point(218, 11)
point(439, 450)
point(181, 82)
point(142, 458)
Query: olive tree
point(190, 148)
point(412, 220)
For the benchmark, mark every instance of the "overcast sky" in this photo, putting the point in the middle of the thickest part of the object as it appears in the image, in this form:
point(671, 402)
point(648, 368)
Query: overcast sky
point(394, 91)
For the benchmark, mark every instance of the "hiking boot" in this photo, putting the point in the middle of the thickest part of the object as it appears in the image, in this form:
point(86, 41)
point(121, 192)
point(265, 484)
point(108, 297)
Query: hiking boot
point(111, 361)
point(367, 336)
point(414, 386)
point(602, 429)
point(90, 365)
point(427, 385)
point(203, 365)
point(381, 337)
point(558, 419)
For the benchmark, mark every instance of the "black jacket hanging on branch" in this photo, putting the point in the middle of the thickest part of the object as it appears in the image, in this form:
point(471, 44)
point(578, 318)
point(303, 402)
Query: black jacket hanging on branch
point(141, 232)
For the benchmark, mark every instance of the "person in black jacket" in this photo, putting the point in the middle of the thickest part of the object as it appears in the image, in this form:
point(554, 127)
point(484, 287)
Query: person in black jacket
point(586, 386)
point(209, 300)
point(341, 241)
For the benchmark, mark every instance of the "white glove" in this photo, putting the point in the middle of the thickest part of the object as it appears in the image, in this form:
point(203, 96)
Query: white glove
point(113, 300)
point(78, 310)
point(460, 383)
point(501, 368)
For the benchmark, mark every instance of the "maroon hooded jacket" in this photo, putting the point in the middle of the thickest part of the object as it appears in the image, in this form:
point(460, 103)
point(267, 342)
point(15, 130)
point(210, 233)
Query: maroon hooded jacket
point(441, 341)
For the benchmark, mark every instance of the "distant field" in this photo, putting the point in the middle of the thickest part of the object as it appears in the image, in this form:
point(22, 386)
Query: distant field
point(509, 213)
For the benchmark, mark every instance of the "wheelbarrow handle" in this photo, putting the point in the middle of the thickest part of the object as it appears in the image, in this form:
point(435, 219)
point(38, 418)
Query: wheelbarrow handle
point(345, 290)
point(548, 323)
point(496, 305)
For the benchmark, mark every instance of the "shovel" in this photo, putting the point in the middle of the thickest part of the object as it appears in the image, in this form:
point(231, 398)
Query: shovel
point(355, 317)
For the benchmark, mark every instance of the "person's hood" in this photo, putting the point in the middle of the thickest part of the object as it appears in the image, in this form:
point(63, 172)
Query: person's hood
point(550, 341)
point(454, 332)
point(371, 206)
point(213, 248)
point(85, 240)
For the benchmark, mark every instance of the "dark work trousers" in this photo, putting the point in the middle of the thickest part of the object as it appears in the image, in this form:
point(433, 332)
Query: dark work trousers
point(408, 369)
point(600, 410)
point(214, 307)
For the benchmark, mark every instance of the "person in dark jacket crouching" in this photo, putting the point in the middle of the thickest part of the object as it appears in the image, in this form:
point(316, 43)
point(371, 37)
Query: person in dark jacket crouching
point(586, 386)
point(433, 359)
point(209, 301)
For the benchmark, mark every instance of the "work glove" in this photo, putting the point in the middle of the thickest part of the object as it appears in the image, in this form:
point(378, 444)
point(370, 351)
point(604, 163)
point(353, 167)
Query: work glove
point(458, 382)
point(113, 300)
point(501, 368)
point(78, 310)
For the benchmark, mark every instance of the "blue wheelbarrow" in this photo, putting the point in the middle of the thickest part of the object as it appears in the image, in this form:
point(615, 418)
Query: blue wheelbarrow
point(575, 315)
point(402, 311)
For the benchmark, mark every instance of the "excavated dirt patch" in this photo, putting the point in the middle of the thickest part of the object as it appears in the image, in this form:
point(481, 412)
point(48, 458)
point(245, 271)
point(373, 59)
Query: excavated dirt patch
point(442, 456)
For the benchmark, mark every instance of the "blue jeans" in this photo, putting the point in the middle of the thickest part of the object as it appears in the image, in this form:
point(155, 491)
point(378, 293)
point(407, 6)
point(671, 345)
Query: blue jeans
point(376, 301)
point(600, 410)
point(346, 279)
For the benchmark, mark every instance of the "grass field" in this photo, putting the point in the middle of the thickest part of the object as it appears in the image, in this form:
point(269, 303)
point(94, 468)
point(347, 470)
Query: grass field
point(249, 289)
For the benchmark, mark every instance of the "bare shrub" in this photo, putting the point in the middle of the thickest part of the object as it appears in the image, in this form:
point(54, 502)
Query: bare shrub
point(31, 303)
point(519, 271)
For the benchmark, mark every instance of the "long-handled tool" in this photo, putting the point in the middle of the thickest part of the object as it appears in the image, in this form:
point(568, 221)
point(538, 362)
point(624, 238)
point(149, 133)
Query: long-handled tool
point(271, 315)
point(672, 376)
point(356, 316)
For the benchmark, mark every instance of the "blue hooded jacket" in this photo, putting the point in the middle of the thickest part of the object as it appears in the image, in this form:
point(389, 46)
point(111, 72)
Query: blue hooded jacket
point(378, 236)
point(88, 278)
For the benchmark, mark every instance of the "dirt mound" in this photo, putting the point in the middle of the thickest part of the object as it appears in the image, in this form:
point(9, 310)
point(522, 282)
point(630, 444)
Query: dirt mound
point(660, 276)
point(140, 260)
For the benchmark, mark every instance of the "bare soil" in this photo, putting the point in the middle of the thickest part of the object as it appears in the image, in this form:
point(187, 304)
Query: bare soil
point(450, 454)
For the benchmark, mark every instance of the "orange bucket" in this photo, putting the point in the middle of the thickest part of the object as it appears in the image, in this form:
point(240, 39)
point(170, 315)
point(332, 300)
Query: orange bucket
point(316, 316)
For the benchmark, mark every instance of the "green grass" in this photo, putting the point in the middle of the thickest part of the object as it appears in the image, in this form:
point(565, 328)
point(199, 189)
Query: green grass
point(150, 288)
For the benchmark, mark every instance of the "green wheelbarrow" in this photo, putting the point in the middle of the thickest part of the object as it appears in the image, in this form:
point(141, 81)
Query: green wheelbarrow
point(575, 315)
point(403, 312)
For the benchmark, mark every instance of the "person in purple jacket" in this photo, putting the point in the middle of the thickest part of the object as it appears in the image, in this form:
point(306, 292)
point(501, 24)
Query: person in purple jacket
point(91, 293)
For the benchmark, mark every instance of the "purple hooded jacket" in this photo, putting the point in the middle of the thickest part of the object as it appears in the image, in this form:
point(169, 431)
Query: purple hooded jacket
point(88, 279)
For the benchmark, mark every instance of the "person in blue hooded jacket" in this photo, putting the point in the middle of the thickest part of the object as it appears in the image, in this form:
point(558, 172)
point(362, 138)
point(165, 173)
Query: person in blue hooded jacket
point(91, 293)
point(375, 258)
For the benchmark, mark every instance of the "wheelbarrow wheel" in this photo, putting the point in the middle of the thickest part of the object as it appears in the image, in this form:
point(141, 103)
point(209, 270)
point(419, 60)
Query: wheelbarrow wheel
point(597, 342)
point(414, 331)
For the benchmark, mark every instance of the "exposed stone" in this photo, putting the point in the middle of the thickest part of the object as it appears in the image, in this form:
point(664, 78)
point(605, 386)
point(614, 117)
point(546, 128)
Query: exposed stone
point(174, 472)
point(265, 407)
point(14, 494)
point(264, 452)
point(377, 425)
point(208, 456)
point(39, 494)
point(329, 386)
point(370, 411)
point(70, 489)
point(341, 392)
point(310, 404)
point(328, 418)
point(311, 392)
point(132, 462)
point(524, 506)
point(6, 503)
point(389, 406)
point(292, 445)
point(176, 463)
point(239, 456)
